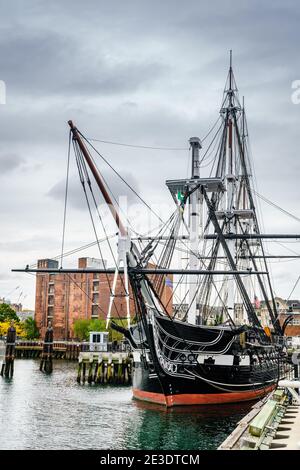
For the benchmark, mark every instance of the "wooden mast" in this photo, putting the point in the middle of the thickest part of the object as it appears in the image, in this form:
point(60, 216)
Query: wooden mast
point(124, 239)
point(98, 178)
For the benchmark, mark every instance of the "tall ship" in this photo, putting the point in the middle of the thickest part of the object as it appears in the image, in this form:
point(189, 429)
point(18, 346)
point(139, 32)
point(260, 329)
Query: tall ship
point(213, 348)
point(219, 352)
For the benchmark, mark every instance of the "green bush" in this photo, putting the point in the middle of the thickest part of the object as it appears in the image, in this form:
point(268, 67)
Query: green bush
point(31, 329)
point(7, 313)
point(83, 327)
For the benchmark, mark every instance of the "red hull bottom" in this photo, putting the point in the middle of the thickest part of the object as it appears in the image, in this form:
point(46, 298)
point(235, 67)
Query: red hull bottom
point(200, 399)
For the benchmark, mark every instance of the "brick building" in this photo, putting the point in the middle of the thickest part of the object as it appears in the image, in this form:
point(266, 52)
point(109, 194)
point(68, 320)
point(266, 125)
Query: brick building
point(64, 298)
point(285, 308)
point(292, 308)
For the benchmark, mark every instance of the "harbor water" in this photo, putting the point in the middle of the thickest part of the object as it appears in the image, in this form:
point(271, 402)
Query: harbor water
point(39, 411)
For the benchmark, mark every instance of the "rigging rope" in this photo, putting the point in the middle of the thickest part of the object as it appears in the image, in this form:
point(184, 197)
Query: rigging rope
point(65, 203)
point(136, 146)
point(295, 285)
point(121, 178)
point(289, 214)
point(76, 250)
point(150, 147)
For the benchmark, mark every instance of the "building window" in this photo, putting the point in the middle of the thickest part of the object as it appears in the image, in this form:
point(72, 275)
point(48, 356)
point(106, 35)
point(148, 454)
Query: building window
point(96, 276)
point(95, 311)
point(51, 278)
point(50, 312)
point(50, 299)
point(51, 289)
point(95, 298)
point(96, 286)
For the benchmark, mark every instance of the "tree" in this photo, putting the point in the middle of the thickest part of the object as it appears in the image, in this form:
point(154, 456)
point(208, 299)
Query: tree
point(6, 324)
point(81, 329)
point(97, 325)
point(218, 319)
point(7, 313)
point(31, 329)
point(100, 325)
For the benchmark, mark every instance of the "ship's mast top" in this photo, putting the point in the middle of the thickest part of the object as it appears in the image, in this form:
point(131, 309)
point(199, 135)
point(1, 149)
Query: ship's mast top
point(230, 71)
point(231, 100)
point(195, 143)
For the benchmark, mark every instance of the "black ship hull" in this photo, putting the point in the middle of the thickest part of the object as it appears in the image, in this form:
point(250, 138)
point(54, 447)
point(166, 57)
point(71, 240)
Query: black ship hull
point(147, 387)
point(198, 365)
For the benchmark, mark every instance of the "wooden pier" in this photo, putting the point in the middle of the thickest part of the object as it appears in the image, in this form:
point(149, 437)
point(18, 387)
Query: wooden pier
point(61, 350)
point(105, 368)
point(272, 424)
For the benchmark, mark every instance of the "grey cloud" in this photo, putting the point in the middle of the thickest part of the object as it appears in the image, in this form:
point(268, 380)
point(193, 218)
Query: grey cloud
point(21, 245)
point(45, 62)
point(130, 104)
point(76, 197)
point(9, 162)
point(146, 73)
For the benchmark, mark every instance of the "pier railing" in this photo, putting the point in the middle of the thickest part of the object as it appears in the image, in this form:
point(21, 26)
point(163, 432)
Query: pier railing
point(69, 350)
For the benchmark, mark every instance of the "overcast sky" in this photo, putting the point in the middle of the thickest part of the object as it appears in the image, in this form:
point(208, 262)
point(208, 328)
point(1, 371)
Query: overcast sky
point(141, 72)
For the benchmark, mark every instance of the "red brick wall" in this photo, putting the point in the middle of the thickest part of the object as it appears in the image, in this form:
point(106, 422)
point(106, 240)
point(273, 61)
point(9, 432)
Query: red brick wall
point(73, 294)
point(40, 301)
point(291, 330)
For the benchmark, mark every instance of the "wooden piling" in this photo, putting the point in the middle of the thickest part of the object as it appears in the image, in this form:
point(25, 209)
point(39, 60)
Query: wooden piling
point(99, 372)
point(83, 372)
point(120, 375)
point(90, 374)
point(109, 369)
point(46, 364)
point(95, 372)
point(7, 368)
point(104, 368)
point(79, 370)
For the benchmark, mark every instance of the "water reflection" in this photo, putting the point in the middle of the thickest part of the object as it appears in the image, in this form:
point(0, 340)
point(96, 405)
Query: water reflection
point(38, 411)
point(195, 427)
